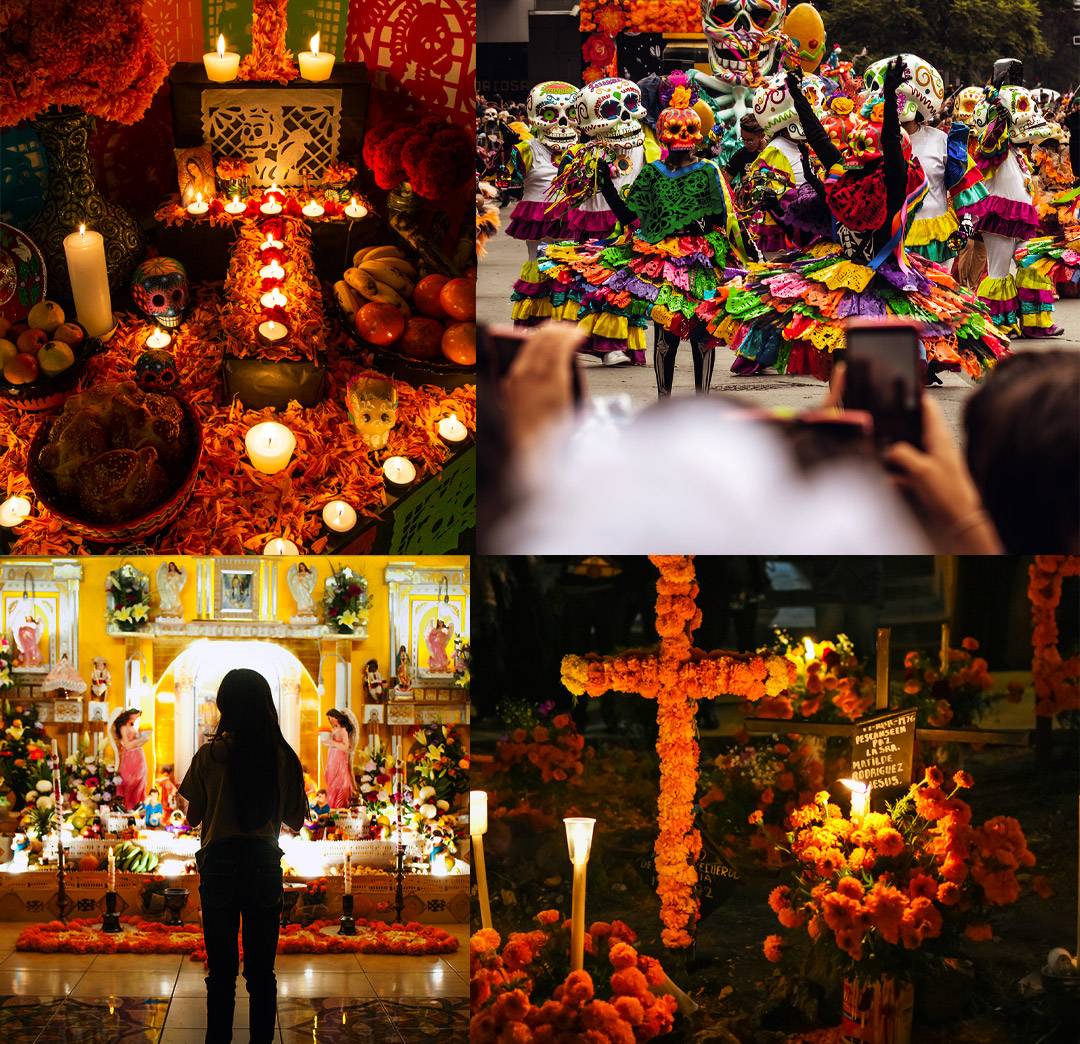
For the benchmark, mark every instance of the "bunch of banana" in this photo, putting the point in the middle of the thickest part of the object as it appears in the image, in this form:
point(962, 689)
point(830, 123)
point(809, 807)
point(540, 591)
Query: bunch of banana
point(379, 273)
point(134, 859)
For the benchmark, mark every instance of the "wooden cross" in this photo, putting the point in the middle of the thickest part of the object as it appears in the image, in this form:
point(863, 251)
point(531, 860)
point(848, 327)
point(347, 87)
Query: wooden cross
point(677, 675)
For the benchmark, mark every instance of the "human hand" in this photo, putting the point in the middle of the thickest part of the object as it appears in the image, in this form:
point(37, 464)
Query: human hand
point(894, 73)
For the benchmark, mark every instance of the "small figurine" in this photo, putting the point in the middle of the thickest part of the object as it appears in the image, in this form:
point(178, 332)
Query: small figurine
point(403, 667)
point(320, 807)
point(438, 640)
point(170, 582)
point(302, 580)
point(169, 791)
point(100, 679)
point(28, 639)
point(130, 760)
point(374, 682)
point(344, 732)
point(63, 678)
point(153, 810)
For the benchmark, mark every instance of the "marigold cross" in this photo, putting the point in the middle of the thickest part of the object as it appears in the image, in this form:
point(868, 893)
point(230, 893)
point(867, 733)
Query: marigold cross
point(677, 675)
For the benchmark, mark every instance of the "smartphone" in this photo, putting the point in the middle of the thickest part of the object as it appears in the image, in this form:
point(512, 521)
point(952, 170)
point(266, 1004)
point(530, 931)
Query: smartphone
point(884, 377)
point(498, 346)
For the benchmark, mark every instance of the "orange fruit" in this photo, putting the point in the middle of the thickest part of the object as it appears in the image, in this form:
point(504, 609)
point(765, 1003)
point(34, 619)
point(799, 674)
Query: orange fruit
point(426, 296)
point(423, 338)
point(379, 323)
point(458, 298)
point(459, 343)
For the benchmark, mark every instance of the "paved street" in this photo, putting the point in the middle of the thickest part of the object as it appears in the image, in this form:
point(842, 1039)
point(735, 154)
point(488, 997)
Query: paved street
point(500, 267)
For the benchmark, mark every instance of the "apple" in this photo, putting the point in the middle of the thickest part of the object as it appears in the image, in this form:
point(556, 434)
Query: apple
point(45, 315)
point(69, 333)
point(31, 340)
point(22, 369)
point(55, 357)
point(8, 351)
point(5, 325)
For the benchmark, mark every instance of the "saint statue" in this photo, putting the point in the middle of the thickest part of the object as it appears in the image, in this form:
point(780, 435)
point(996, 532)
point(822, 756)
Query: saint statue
point(28, 637)
point(374, 682)
point(341, 740)
point(302, 580)
point(170, 582)
point(402, 670)
point(100, 679)
point(130, 759)
point(439, 639)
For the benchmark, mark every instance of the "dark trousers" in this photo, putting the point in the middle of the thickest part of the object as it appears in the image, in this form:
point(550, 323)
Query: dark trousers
point(665, 348)
point(240, 889)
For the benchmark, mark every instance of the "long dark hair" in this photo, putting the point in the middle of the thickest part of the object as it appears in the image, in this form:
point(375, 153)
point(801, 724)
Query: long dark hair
point(342, 719)
point(122, 719)
point(248, 734)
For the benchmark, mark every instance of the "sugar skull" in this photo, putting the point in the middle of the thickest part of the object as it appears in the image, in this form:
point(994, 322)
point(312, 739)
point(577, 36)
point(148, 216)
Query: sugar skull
point(373, 405)
point(155, 370)
point(965, 103)
point(741, 37)
point(1027, 124)
point(806, 31)
point(551, 109)
point(921, 92)
point(678, 127)
point(775, 111)
point(610, 110)
point(160, 288)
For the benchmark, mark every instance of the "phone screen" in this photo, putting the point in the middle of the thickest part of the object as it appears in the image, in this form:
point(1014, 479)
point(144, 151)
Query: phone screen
point(884, 378)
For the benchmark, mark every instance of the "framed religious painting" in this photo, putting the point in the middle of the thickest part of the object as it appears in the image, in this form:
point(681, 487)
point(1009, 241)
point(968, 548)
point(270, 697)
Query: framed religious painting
point(39, 613)
point(233, 589)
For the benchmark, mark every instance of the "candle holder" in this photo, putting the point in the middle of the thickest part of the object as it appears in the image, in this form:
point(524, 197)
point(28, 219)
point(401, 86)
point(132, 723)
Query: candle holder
point(272, 332)
point(347, 923)
point(399, 474)
point(399, 875)
point(110, 920)
point(175, 901)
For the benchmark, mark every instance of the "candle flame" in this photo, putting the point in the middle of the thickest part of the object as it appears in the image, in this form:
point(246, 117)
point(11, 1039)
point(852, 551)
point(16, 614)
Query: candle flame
point(352, 202)
point(269, 238)
point(82, 230)
point(198, 197)
point(236, 199)
point(221, 45)
point(315, 40)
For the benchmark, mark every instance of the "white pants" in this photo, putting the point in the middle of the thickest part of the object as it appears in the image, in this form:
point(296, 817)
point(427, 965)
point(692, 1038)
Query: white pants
point(999, 256)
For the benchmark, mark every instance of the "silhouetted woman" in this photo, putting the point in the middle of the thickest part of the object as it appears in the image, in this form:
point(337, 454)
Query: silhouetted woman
point(241, 787)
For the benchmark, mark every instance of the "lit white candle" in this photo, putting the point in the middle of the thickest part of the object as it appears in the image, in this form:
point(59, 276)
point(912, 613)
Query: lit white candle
point(14, 510)
point(279, 547)
point(315, 64)
point(270, 446)
point(234, 206)
point(85, 254)
point(398, 472)
point(221, 65)
point(273, 299)
point(158, 339)
point(271, 243)
point(272, 331)
point(579, 832)
point(272, 271)
point(198, 205)
point(272, 206)
point(452, 430)
point(313, 209)
point(860, 798)
point(112, 870)
point(355, 209)
point(339, 516)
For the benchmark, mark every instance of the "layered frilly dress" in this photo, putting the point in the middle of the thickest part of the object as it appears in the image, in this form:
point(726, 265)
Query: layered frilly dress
point(667, 268)
point(1056, 258)
point(786, 213)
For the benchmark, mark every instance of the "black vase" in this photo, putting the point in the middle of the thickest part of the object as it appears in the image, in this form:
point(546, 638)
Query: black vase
point(72, 199)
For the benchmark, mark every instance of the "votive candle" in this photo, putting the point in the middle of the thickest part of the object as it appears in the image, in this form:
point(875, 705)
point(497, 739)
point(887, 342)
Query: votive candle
point(398, 473)
point(270, 446)
point(279, 547)
point(158, 339)
point(234, 206)
point(315, 64)
point(313, 209)
point(355, 209)
point(339, 516)
point(13, 511)
point(451, 430)
point(273, 299)
point(198, 205)
point(221, 65)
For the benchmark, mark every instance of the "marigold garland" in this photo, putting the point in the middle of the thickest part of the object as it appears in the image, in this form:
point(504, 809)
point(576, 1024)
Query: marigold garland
point(677, 676)
point(270, 59)
point(641, 16)
point(1055, 679)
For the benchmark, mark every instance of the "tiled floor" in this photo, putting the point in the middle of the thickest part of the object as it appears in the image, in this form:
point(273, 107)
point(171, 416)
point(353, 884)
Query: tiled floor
point(70, 999)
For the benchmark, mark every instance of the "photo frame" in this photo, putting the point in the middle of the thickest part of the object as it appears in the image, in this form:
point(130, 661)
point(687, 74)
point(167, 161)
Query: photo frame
point(97, 710)
point(67, 711)
point(195, 173)
point(237, 589)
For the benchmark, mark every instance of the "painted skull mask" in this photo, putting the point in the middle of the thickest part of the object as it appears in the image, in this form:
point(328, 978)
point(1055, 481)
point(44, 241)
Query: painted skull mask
point(1027, 124)
point(551, 110)
point(679, 130)
point(160, 288)
point(775, 111)
point(966, 102)
point(155, 370)
point(373, 405)
point(921, 92)
point(610, 110)
point(739, 33)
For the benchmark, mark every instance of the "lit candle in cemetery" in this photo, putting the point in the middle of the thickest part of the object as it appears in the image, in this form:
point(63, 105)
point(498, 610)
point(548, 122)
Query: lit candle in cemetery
point(339, 516)
point(272, 271)
point(860, 798)
point(270, 446)
point(221, 65)
point(85, 254)
point(313, 209)
point(354, 209)
point(315, 64)
point(13, 511)
point(198, 205)
point(398, 473)
point(272, 204)
point(274, 299)
point(945, 642)
point(272, 332)
point(478, 824)
point(883, 635)
point(279, 547)
point(579, 832)
point(452, 431)
point(235, 206)
point(158, 338)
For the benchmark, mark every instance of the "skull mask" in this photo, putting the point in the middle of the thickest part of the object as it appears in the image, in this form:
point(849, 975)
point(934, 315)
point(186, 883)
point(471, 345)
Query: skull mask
point(965, 103)
point(678, 126)
point(373, 404)
point(610, 110)
point(160, 288)
point(775, 111)
point(490, 115)
point(921, 91)
point(551, 110)
point(1027, 124)
point(155, 370)
point(737, 33)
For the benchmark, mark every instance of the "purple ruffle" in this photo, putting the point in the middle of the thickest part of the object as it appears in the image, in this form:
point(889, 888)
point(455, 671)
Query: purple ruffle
point(527, 289)
point(589, 224)
point(1009, 218)
point(804, 210)
point(532, 220)
point(771, 238)
point(1038, 296)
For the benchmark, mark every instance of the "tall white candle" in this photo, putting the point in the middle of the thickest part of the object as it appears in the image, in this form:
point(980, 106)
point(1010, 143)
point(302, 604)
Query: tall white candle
point(315, 64)
point(85, 253)
point(270, 446)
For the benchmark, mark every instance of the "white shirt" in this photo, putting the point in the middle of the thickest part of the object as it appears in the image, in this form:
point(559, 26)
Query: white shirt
point(931, 148)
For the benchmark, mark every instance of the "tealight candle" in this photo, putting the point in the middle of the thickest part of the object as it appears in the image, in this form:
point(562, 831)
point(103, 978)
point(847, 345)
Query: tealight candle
point(272, 271)
point(313, 209)
point(272, 332)
point(273, 299)
point(271, 243)
point(451, 430)
point(339, 516)
point(398, 473)
point(355, 210)
point(270, 446)
point(199, 206)
point(235, 206)
point(280, 546)
point(159, 339)
point(271, 206)
point(221, 65)
point(16, 509)
point(315, 64)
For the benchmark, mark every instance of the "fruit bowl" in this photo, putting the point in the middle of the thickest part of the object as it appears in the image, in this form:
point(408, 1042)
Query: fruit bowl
point(46, 393)
point(130, 530)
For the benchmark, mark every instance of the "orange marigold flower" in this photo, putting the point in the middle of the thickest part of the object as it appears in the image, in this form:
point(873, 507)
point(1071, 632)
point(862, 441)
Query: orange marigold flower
point(778, 898)
point(886, 905)
point(484, 941)
point(578, 988)
point(622, 955)
point(889, 842)
point(510, 1006)
point(933, 776)
point(851, 887)
point(963, 779)
point(561, 721)
point(922, 885)
point(547, 917)
point(948, 893)
point(790, 918)
point(773, 948)
point(756, 817)
point(1001, 887)
point(850, 941)
point(970, 644)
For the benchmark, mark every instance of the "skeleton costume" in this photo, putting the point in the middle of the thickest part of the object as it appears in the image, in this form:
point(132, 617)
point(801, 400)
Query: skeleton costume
point(790, 314)
point(681, 243)
point(954, 185)
point(1022, 303)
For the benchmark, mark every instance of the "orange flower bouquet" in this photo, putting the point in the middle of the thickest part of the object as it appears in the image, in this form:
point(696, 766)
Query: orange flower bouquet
point(873, 894)
point(1055, 677)
point(543, 755)
point(526, 992)
point(955, 695)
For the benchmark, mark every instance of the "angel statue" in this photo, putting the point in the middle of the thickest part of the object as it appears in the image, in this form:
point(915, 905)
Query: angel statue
point(170, 583)
point(439, 639)
point(100, 679)
point(302, 580)
point(341, 740)
point(27, 634)
point(129, 759)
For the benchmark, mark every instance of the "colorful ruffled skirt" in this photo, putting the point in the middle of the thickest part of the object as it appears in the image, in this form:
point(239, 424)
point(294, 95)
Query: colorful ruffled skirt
point(929, 237)
point(537, 219)
point(789, 315)
point(802, 220)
